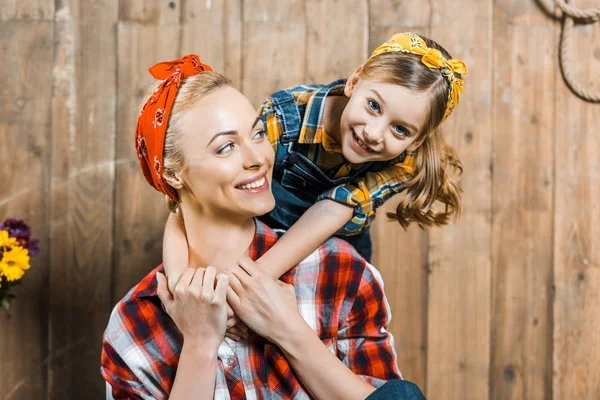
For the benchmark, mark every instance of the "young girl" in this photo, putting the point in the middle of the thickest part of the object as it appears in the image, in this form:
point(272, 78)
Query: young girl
point(344, 149)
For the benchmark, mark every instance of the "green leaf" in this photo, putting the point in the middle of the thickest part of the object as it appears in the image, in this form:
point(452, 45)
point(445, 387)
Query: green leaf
point(6, 304)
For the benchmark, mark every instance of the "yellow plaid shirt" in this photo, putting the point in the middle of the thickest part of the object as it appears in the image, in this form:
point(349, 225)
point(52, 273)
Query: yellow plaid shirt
point(367, 192)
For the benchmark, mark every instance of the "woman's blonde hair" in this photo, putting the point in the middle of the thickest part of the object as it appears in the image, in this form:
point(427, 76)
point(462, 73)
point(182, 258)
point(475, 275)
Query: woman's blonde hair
point(437, 166)
point(190, 91)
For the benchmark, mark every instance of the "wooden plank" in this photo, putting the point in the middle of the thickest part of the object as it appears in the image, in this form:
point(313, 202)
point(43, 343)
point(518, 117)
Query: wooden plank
point(577, 232)
point(24, 133)
point(393, 16)
point(460, 256)
point(32, 10)
point(82, 193)
point(401, 255)
point(274, 54)
point(331, 52)
point(139, 209)
point(525, 63)
point(150, 11)
point(213, 30)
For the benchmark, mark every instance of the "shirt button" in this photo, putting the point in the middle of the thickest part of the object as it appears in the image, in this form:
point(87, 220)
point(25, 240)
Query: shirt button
point(229, 361)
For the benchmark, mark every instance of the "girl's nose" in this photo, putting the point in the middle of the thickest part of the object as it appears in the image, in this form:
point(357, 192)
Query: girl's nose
point(373, 135)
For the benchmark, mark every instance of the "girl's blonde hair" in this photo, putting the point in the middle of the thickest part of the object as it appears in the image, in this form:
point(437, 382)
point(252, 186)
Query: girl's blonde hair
point(190, 91)
point(437, 166)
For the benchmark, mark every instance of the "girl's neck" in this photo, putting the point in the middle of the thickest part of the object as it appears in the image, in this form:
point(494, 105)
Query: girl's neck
point(332, 115)
point(218, 242)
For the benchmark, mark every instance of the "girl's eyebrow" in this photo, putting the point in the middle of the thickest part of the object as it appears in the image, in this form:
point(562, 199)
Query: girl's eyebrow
point(231, 133)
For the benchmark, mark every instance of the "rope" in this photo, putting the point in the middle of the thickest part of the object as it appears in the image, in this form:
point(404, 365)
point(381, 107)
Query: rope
point(569, 14)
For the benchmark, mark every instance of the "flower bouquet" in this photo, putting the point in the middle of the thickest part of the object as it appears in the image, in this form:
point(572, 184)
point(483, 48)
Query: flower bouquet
point(16, 248)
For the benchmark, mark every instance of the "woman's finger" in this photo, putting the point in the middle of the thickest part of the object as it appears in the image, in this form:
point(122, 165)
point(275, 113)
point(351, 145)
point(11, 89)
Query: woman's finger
point(221, 289)
point(242, 327)
point(233, 336)
point(184, 281)
point(231, 322)
point(232, 298)
point(196, 284)
point(162, 290)
point(235, 282)
point(234, 330)
point(208, 285)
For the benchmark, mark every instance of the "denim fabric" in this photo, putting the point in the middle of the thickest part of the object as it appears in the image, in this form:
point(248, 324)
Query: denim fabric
point(297, 181)
point(397, 390)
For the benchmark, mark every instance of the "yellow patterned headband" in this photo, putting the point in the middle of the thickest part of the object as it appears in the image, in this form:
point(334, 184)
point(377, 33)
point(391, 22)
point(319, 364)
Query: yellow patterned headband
point(412, 43)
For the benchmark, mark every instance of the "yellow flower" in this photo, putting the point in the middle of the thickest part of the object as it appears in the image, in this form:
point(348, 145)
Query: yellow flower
point(7, 241)
point(14, 263)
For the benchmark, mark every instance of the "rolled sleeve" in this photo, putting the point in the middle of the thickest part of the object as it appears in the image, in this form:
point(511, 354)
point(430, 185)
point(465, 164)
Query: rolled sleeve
point(364, 344)
point(369, 192)
point(271, 121)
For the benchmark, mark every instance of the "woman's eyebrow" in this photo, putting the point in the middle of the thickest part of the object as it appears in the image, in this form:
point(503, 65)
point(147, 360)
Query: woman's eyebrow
point(224, 133)
point(255, 122)
point(231, 133)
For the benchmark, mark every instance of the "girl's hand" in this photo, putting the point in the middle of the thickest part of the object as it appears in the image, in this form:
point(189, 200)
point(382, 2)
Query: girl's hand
point(267, 306)
point(236, 329)
point(197, 307)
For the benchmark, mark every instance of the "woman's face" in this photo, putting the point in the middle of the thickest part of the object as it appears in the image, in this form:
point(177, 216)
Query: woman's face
point(229, 159)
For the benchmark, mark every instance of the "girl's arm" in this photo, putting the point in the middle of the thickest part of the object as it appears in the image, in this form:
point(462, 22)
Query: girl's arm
point(175, 250)
point(316, 225)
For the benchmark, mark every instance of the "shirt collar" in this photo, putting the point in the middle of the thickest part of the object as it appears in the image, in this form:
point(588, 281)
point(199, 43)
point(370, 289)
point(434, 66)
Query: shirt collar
point(264, 238)
point(312, 130)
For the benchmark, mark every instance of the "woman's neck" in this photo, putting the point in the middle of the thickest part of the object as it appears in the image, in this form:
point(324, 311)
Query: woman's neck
point(332, 115)
point(218, 242)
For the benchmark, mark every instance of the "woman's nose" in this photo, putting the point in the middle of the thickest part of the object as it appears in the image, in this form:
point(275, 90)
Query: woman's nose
point(253, 158)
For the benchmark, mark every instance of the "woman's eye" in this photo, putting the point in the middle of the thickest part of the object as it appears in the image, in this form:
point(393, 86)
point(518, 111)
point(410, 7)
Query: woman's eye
point(260, 134)
point(400, 130)
point(227, 148)
point(374, 106)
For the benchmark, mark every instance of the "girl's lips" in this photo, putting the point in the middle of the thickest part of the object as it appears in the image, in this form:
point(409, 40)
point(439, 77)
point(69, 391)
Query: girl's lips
point(357, 147)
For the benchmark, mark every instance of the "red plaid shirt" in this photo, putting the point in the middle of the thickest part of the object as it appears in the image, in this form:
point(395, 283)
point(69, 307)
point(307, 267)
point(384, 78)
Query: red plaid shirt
point(339, 295)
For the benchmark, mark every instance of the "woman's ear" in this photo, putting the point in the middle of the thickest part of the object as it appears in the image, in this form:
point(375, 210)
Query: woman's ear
point(174, 180)
point(352, 81)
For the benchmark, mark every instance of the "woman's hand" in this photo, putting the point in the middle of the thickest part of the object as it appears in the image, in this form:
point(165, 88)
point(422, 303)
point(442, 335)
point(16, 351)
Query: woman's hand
point(267, 306)
point(197, 307)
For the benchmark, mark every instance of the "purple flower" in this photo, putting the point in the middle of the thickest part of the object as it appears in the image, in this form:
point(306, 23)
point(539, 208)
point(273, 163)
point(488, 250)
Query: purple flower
point(19, 230)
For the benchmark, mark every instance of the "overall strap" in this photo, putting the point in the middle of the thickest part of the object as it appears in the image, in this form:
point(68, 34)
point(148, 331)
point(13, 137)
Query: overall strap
point(286, 109)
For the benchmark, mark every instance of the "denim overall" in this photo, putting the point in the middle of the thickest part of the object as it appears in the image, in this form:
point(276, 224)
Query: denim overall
point(297, 181)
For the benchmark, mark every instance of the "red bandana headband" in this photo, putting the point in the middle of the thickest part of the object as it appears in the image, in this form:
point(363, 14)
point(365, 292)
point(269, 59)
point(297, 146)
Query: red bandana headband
point(154, 117)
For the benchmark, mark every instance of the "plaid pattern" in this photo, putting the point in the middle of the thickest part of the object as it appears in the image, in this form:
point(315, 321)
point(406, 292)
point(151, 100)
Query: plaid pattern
point(366, 193)
point(339, 295)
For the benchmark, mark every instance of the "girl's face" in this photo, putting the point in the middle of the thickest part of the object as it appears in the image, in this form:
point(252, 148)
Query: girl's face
point(228, 156)
point(381, 120)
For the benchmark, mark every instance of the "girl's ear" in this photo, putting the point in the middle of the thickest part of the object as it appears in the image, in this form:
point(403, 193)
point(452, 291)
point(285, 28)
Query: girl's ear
point(352, 81)
point(174, 180)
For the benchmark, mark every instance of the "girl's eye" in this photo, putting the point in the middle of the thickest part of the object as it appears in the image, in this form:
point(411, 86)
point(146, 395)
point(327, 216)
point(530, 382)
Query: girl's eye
point(226, 149)
point(400, 130)
point(374, 106)
point(260, 134)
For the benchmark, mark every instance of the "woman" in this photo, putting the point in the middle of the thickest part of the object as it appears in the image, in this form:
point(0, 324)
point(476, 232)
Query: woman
point(200, 142)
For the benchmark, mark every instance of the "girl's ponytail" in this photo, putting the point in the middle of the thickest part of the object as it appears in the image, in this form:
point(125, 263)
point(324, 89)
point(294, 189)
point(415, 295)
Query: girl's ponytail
point(437, 168)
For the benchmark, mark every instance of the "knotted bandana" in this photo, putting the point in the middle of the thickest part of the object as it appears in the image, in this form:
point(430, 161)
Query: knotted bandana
point(154, 118)
point(412, 43)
